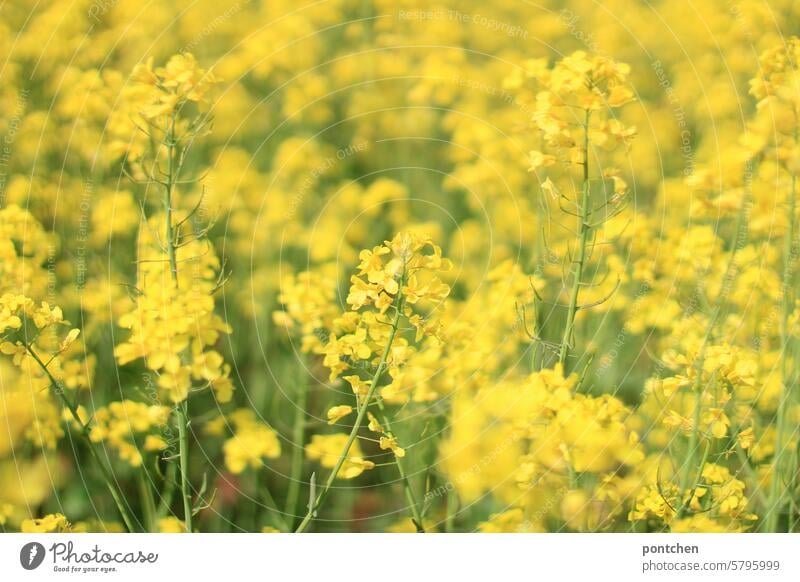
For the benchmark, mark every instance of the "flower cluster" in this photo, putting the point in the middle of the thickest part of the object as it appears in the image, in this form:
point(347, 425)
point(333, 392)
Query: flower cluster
point(32, 342)
point(573, 105)
point(173, 326)
point(400, 275)
point(251, 443)
point(551, 440)
point(309, 306)
point(326, 450)
point(716, 504)
point(130, 427)
point(208, 200)
point(154, 97)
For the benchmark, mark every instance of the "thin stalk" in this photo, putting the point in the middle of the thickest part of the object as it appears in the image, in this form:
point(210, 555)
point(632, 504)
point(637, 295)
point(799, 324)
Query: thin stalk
point(580, 259)
point(298, 437)
point(703, 461)
point(269, 501)
point(181, 409)
point(751, 474)
point(362, 413)
point(181, 418)
point(168, 187)
point(409, 492)
point(572, 475)
point(452, 506)
point(169, 490)
point(686, 468)
point(111, 484)
point(794, 512)
point(718, 309)
point(251, 517)
point(148, 504)
point(775, 500)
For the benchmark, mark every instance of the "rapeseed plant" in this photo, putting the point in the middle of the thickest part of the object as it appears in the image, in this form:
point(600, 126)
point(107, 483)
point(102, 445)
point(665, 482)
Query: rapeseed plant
point(379, 268)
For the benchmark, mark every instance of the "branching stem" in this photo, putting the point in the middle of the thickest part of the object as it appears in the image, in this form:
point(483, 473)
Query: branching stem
point(583, 237)
point(362, 413)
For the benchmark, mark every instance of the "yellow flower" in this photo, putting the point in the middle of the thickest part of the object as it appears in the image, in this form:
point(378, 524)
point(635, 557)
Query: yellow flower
point(746, 438)
point(353, 467)
point(654, 503)
point(70, 337)
point(252, 442)
point(46, 316)
point(171, 525)
point(154, 443)
point(117, 424)
point(510, 521)
point(327, 448)
point(8, 319)
point(183, 76)
point(717, 421)
point(53, 523)
point(575, 508)
point(374, 425)
point(539, 160)
point(390, 443)
point(336, 413)
point(360, 387)
point(174, 327)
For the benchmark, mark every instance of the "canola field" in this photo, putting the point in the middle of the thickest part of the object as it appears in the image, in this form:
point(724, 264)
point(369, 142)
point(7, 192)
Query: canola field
point(398, 266)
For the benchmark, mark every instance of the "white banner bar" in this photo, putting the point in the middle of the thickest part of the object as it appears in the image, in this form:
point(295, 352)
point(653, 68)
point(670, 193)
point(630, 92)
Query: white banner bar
point(400, 557)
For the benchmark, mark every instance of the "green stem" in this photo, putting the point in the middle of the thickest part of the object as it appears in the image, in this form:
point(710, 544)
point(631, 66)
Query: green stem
point(298, 438)
point(686, 468)
point(148, 504)
point(697, 480)
point(116, 494)
point(751, 474)
point(580, 259)
point(168, 187)
point(792, 517)
point(450, 510)
point(181, 409)
point(181, 419)
point(251, 517)
point(111, 484)
point(269, 501)
point(794, 512)
point(362, 413)
point(775, 500)
point(409, 492)
point(169, 491)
